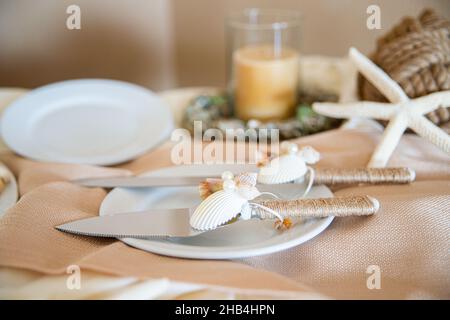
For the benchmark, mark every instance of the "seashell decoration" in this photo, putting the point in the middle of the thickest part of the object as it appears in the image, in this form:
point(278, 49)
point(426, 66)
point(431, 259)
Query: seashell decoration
point(289, 166)
point(245, 182)
point(234, 198)
point(309, 154)
point(221, 206)
point(217, 209)
point(209, 186)
point(246, 179)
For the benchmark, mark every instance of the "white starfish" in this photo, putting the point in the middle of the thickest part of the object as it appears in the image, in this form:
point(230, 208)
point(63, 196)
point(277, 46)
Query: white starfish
point(402, 112)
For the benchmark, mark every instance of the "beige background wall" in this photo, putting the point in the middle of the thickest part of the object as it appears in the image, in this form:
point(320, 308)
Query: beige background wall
point(120, 39)
point(165, 43)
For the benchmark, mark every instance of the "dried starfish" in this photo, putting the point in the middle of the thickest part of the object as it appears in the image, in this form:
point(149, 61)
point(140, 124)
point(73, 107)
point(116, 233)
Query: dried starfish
point(402, 112)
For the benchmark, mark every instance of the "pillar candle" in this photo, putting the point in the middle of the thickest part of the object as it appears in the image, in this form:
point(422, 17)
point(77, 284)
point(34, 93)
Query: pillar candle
point(265, 82)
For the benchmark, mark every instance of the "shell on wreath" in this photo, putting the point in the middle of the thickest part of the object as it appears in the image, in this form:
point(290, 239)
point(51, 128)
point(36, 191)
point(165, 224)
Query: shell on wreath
point(223, 205)
point(291, 165)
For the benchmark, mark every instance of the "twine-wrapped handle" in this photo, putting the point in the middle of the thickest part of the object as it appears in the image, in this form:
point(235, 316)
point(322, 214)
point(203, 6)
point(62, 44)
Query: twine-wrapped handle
point(333, 176)
point(319, 208)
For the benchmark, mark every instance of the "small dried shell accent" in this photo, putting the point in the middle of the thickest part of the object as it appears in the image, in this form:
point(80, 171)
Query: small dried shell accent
point(263, 158)
point(208, 187)
point(221, 206)
point(246, 179)
point(286, 224)
point(289, 166)
point(245, 183)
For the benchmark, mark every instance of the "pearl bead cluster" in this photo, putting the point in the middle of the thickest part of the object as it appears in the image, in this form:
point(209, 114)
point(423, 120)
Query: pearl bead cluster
point(289, 147)
point(228, 181)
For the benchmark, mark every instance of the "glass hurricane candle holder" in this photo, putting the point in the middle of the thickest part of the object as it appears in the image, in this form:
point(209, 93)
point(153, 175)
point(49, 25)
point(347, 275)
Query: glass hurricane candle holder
point(263, 63)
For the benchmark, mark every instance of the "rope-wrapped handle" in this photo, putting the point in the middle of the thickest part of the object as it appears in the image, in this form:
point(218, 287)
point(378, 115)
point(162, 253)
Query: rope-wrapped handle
point(318, 208)
point(333, 176)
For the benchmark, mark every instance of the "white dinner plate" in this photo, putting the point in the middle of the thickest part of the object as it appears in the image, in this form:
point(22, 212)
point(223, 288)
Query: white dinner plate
point(8, 95)
point(252, 238)
point(91, 121)
point(8, 197)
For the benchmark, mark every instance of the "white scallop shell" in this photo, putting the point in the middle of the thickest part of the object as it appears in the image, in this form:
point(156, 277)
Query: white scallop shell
point(284, 169)
point(217, 209)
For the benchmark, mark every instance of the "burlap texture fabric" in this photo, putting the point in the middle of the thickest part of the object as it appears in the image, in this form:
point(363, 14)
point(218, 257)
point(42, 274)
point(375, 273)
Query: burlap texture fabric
point(407, 240)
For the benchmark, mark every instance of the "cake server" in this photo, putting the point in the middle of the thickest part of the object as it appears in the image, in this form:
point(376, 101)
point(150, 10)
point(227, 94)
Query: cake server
point(176, 222)
point(327, 176)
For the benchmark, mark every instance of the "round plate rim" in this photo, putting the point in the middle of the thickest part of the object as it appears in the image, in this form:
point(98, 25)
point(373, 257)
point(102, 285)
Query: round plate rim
point(117, 159)
point(213, 253)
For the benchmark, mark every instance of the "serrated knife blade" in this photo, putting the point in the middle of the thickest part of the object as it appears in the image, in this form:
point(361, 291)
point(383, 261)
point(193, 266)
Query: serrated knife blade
point(142, 225)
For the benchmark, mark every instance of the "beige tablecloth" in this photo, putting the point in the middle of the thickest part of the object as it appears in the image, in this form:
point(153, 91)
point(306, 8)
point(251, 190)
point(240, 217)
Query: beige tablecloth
point(408, 240)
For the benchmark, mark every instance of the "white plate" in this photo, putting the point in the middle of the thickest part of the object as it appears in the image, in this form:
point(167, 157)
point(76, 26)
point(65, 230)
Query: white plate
point(8, 95)
point(8, 197)
point(93, 121)
point(251, 239)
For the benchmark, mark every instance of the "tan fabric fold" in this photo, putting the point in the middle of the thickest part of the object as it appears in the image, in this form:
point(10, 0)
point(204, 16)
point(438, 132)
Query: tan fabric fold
point(407, 239)
point(32, 174)
point(29, 240)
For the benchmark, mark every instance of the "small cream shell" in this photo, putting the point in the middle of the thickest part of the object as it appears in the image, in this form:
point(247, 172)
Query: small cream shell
point(284, 169)
point(309, 155)
point(217, 209)
point(246, 179)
